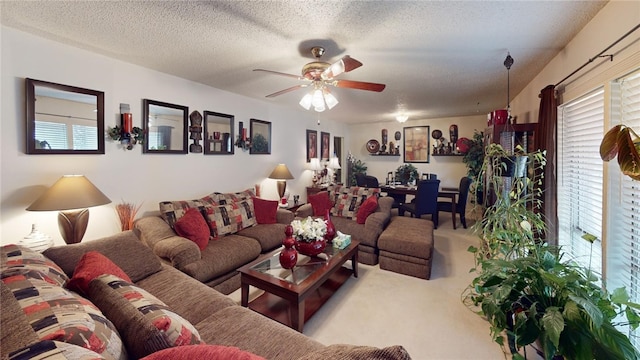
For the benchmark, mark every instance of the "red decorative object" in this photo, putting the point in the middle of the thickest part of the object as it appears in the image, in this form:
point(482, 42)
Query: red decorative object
point(331, 229)
point(463, 145)
point(288, 255)
point(500, 117)
point(310, 248)
point(127, 122)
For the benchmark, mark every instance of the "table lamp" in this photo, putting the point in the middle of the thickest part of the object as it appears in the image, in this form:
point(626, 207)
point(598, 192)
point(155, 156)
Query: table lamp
point(282, 174)
point(71, 195)
point(315, 165)
point(334, 165)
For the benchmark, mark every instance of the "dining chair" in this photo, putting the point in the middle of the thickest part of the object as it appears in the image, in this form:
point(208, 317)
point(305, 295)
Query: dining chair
point(461, 205)
point(371, 181)
point(429, 176)
point(425, 202)
point(360, 179)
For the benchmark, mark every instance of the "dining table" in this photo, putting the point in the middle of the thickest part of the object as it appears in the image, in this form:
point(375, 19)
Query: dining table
point(444, 192)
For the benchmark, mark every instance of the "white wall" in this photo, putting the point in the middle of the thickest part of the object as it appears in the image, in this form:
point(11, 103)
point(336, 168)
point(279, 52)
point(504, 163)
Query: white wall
point(129, 175)
point(448, 168)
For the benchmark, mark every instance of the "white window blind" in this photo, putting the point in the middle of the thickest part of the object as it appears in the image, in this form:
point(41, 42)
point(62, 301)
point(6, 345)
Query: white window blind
point(623, 235)
point(55, 134)
point(85, 137)
point(580, 131)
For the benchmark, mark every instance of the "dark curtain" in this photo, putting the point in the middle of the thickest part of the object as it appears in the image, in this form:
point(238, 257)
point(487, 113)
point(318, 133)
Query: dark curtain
point(545, 139)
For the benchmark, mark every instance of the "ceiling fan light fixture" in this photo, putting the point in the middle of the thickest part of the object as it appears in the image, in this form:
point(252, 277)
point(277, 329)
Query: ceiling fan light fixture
point(329, 98)
point(306, 101)
point(317, 100)
point(337, 68)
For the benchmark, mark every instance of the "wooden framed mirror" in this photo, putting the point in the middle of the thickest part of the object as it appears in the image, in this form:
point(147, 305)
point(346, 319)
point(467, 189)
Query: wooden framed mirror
point(260, 137)
point(165, 127)
point(63, 119)
point(218, 133)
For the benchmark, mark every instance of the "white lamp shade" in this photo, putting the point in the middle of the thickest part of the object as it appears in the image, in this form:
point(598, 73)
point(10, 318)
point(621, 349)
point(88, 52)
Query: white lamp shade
point(334, 163)
point(330, 99)
point(314, 164)
point(306, 101)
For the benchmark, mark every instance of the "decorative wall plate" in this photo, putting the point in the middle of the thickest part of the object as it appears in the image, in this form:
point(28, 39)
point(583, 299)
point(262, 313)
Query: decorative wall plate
point(436, 134)
point(397, 135)
point(373, 146)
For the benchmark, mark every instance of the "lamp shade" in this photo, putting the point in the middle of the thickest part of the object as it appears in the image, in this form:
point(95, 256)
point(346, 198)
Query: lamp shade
point(334, 163)
point(281, 172)
point(314, 164)
point(70, 192)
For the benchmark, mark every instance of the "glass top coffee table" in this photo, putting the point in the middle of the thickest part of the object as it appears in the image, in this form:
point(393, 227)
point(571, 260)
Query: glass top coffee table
point(293, 296)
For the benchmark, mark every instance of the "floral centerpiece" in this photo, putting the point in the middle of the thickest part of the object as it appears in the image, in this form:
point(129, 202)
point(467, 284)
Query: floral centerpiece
point(309, 234)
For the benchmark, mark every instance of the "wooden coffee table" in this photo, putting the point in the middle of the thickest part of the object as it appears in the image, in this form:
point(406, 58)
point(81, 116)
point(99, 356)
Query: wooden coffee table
point(293, 296)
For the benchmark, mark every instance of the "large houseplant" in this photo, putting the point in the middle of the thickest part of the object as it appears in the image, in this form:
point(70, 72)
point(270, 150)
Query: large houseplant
point(473, 159)
point(406, 173)
point(524, 288)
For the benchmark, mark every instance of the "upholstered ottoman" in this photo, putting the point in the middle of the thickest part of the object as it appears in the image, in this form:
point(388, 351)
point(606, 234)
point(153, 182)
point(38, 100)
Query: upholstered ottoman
point(406, 246)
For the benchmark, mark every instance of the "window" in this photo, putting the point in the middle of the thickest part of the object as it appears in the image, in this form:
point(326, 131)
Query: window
point(623, 235)
point(580, 174)
point(51, 135)
point(85, 137)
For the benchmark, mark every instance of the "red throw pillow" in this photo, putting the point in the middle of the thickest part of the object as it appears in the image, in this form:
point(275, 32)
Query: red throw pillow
point(266, 210)
point(367, 208)
point(91, 265)
point(320, 203)
point(211, 352)
point(193, 226)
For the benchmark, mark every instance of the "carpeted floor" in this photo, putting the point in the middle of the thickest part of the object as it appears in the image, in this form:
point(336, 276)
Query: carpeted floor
point(427, 317)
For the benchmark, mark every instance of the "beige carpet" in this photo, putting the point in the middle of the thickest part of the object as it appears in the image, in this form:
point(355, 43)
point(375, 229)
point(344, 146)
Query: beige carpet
point(427, 317)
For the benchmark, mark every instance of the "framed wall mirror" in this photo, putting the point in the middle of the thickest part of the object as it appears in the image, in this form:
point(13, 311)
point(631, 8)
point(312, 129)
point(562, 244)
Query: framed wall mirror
point(260, 137)
point(218, 133)
point(165, 127)
point(63, 119)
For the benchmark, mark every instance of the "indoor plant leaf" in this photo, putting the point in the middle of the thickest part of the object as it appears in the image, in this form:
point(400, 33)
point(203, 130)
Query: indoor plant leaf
point(553, 324)
point(628, 157)
point(609, 144)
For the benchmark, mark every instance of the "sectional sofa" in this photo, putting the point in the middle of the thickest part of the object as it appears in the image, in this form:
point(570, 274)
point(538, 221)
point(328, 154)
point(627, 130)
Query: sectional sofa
point(124, 287)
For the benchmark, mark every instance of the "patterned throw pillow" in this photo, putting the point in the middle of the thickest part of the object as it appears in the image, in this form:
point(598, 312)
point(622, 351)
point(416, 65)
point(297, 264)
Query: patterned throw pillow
point(172, 211)
point(54, 350)
point(55, 313)
point(347, 200)
point(145, 323)
point(91, 265)
point(230, 218)
point(15, 259)
point(217, 198)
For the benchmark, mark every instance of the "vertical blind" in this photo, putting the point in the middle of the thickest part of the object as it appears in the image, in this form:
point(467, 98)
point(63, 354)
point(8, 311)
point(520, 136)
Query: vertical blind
point(623, 235)
point(580, 188)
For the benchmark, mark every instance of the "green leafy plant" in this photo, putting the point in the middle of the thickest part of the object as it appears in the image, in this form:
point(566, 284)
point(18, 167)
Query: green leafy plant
point(406, 173)
point(474, 156)
point(260, 144)
point(539, 299)
point(137, 136)
point(356, 166)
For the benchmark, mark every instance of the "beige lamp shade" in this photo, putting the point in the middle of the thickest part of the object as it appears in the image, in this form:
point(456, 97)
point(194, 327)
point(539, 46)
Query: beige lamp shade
point(71, 195)
point(315, 165)
point(282, 174)
point(334, 164)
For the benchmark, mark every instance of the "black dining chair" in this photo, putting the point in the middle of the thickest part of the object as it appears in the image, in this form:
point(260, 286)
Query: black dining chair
point(371, 181)
point(425, 202)
point(461, 205)
point(360, 179)
point(428, 176)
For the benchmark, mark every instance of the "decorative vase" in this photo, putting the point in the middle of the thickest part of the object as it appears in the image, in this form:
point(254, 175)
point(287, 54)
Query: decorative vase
point(310, 248)
point(331, 229)
point(288, 255)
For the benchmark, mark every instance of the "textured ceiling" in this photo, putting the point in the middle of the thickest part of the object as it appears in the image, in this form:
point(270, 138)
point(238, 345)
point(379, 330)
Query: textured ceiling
point(437, 58)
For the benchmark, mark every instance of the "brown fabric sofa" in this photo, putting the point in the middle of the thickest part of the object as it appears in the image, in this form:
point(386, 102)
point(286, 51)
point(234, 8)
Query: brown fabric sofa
point(367, 234)
point(218, 319)
point(215, 265)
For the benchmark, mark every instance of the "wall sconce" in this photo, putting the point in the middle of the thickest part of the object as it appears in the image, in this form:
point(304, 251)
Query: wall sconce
point(127, 134)
point(71, 195)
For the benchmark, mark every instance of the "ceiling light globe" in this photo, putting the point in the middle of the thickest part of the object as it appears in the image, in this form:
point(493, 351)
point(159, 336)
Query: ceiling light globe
point(306, 101)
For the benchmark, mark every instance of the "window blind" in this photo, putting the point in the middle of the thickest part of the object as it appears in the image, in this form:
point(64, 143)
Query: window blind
point(623, 235)
point(580, 185)
point(55, 134)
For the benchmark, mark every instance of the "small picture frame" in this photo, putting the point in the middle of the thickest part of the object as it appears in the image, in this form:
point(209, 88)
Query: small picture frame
point(312, 144)
point(325, 139)
point(416, 144)
point(260, 137)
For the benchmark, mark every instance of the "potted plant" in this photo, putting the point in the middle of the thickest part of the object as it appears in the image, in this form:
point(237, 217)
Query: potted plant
point(524, 288)
point(406, 173)
point(356, 166)
point(623, 142)
point(473, 150)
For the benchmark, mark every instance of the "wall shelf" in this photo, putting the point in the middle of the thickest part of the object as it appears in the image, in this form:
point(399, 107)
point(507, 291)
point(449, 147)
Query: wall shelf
point(447, 154)
point(384, 154)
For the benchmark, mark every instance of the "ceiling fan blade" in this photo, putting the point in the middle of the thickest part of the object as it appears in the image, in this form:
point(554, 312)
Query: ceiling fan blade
point(360, 85)
point(281, 73)
point(287, 90)
point(346, 64)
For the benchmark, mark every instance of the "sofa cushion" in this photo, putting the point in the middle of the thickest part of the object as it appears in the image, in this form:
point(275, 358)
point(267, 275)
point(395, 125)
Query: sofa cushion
point(54, 350)
point(230, 218)
point(209, 352)
point(347, 200)
point(124, 249)
point(15, 330)
point(194, 227)
point(354, 352)
point(15, 259)
point(172, 211)
point(269, 236)
point(145, 323)
point(265, 210)
point(90, 266)
point(320, 203)
point(54, 313)
point(367, 208)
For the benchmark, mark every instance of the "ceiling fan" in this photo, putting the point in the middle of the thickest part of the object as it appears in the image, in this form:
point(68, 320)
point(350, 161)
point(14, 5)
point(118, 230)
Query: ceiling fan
point(321, 74)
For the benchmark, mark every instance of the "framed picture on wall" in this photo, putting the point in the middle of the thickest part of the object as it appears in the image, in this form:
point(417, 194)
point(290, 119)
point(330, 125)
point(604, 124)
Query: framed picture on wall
point(312, 144)
point(260, 137)
point(324, 145)
point(416, 144)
